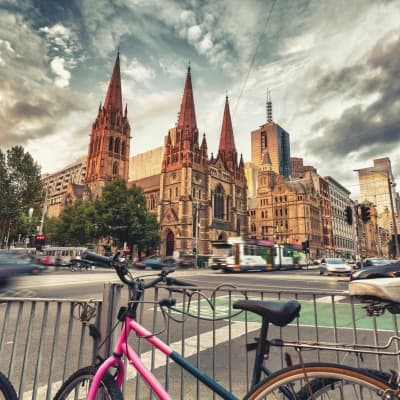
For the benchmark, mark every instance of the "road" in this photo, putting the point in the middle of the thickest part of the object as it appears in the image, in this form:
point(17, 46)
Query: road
point(89, 284)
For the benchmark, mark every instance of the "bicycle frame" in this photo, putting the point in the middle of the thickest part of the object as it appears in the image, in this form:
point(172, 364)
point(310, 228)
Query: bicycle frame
point(123, 349)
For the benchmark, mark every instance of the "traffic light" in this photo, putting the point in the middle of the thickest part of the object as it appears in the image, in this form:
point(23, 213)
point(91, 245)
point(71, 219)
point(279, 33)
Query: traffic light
point(365, 213)
point(306, 246)
point(349, 215)
point(40, 240)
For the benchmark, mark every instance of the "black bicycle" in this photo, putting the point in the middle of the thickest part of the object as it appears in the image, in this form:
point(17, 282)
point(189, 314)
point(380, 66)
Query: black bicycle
point(7, 391)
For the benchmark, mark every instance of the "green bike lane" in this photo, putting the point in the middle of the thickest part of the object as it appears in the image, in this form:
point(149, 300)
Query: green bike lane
point(324, 312)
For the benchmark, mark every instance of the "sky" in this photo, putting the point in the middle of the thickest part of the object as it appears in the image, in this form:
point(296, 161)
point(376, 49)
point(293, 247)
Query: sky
point(331, 66)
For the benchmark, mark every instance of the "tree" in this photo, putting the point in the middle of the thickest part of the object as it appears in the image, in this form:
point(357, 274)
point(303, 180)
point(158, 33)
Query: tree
point(122, 215)
point(76, 225)
point(20, 189)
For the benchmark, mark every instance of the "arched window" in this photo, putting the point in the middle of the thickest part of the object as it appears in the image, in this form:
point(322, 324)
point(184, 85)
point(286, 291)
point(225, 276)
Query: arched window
point(219, 203)
point(110, 144)
point(122, 148)
point(116, 145)
point(115, 168)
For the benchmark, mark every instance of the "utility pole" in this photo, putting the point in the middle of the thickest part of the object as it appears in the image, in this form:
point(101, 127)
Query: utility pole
point(44, 210)
point(197, 233)
point(396, 238)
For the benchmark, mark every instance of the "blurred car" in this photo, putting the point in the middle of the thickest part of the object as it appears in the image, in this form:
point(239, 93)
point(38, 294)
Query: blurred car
point(186, 261)
point(337, 266)
point(156, 262)
point(389, 270)
point(16, 265)
point(372, 262)
point(78, 264)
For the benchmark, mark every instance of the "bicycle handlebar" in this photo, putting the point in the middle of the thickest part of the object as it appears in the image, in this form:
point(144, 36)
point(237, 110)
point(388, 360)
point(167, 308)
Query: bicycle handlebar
point(125, 276)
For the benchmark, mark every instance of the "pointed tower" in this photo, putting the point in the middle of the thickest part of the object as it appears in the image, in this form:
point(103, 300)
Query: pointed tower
point(183, 148)
point(108, 155)
point(227, 148)
point(184, 181)
point(187, 116)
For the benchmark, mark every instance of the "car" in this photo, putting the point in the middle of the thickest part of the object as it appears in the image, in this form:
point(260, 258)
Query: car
point(186, 261)
point(156, 262)
point(15, 265)
point(371, 262)
point(389, 270)
point(337, 266)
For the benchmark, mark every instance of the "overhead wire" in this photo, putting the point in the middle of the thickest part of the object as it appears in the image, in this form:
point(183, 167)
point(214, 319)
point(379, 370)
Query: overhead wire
point(254, 56)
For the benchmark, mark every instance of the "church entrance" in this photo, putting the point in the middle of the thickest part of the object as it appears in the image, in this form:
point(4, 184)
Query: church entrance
point(170, 244)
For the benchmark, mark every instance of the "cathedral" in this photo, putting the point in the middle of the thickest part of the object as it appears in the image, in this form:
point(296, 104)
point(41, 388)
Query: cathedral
point(198, 199)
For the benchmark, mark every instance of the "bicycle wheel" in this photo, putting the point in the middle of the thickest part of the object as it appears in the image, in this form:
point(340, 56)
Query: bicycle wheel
point(77, 386)
point(324, 381)
point(7, 391)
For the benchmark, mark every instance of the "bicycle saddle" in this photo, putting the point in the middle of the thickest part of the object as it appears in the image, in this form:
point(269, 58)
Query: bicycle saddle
point(279, 313)
point(382, 288)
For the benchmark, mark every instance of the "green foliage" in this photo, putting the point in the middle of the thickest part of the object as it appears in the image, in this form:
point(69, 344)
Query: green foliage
point(20, 190)
point(75, 226)
point(122, 215)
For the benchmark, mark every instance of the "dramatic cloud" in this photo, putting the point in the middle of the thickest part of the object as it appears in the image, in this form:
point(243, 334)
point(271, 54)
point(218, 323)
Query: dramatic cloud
point(332, 69)
point(369, 130)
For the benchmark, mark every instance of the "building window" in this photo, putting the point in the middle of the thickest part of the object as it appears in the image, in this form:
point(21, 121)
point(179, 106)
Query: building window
point(115, 168)
point(219, 203)
point(116, 145)
point(264, 142)
point(110, 144)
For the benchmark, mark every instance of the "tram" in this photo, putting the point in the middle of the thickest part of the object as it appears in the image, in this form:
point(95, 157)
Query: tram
point(238, 255)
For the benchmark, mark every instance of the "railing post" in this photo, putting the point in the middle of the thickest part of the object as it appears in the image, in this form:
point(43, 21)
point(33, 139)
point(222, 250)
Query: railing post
point(108, 317)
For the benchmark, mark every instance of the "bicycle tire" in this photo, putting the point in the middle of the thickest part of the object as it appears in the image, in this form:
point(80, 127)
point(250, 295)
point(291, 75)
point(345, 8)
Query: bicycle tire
point(325, 381)
point(77, 385)
point(7, 391)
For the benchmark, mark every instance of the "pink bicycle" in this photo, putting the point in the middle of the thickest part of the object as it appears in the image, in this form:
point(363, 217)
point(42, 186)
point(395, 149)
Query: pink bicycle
point(302, 382)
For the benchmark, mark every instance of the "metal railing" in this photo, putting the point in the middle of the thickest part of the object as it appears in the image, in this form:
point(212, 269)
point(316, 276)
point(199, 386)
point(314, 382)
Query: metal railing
point(42, 342)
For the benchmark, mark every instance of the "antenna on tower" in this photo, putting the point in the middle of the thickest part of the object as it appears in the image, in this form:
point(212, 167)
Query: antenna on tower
point(269, 106)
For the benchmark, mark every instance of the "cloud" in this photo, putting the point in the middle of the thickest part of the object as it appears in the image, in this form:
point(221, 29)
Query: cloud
point(367, 129)
point(63, 76)
point(32, 107)
point(136, 70)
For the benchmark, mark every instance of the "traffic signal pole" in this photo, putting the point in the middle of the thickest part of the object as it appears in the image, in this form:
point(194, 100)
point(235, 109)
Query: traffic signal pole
point(358, 236)
point(395, 233)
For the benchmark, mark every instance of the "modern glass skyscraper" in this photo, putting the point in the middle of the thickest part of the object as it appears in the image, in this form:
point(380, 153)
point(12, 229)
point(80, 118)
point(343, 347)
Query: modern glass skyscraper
point(375, 184)
point(275, 140)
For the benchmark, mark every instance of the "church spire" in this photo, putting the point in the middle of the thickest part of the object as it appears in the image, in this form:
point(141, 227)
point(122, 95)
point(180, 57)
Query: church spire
point(187, 115)
point(113, 101)
point(227, 147)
